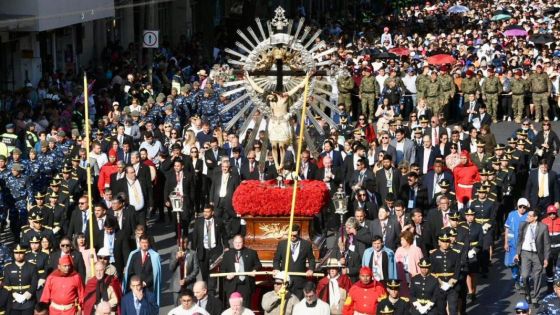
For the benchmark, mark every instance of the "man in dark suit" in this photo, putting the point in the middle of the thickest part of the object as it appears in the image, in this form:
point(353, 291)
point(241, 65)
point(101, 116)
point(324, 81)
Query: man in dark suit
point(207, 301)
point(240, 259)
point(435, 130)
point(426, 155)
point(485, 118)
point(209, 238)
point(437, 219)
point(456, 139)
point(137, 193)
point(470, 109)
point(414, 194)
point(358, 236)
point(542, 187)
point(360, 176)
point(432, 179)
point(148, 304)
point(121, 137)
point(385, 145)
point(533, 251)
point(124, 217)
point(223, 186)
point(387, 179)
point(178, 180)
point(404, 147)
point(120, 174)
point(301, 255)
point(213, 157)
point(66, 249)
point(250, 169)
point(362, 201)
point(183, 266)
point(308, 169)
point(350, 163)
point(145, 263)
point(328, 150)
point(144, 176)
point(388, 229)
point(330, 175)
point(79, 220)
point(100, 216)
point(117, 244)
point(237, 160)
point(125, 154)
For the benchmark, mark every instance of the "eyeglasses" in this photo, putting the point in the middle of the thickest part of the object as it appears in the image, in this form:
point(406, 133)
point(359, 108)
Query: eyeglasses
point(64, 245)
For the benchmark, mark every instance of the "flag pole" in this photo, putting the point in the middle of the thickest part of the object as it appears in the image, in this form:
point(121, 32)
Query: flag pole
point(283, 290)
point(88, 171)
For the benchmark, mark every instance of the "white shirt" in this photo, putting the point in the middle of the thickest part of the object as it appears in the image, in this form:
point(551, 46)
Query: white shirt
point(101, 159)
point(223, 186)
point(135, 196)
point(409, 82)
point(321, 308)
point(426, 160)
point(245, 311)
point(152, 149)
point(529, 238)
point(195, 309)
point(212, 233)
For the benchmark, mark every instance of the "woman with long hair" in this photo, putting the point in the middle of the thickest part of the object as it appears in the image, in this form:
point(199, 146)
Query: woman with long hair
point(88, 254)
point(407, 257)
point(189, 142)
point(453, 158)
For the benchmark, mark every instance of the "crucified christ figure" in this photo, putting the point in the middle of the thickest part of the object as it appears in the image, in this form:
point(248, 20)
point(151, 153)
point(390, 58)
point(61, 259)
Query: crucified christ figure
point(279, 131)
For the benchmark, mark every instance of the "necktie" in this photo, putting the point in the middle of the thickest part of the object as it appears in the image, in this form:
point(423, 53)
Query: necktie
point(241, 265)
point(436, 138)
point(126, 158)
point(418, 229)
point(445, 220)
point(144, 256)
point(383, 230)
point(178, 177)
point(209, 233)
point(541, 186)
point(84, 221)
point(294, 247)
point(251, 168)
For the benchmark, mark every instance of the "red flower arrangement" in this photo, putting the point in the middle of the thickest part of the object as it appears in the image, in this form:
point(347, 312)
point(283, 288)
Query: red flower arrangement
point(256, 198)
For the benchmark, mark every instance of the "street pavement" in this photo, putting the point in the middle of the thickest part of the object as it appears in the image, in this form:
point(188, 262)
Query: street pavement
point(495, 295)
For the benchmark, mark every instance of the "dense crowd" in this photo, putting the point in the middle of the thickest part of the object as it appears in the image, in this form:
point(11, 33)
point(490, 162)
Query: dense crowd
point(431, 192)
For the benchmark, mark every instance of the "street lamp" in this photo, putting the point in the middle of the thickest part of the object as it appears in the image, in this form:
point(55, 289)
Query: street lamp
point(340, 202)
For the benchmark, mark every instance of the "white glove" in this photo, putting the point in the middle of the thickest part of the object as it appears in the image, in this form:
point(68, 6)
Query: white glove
point(27, 295)
point(429, 305)
point(19, 298)
point(423, 309)
point(471, 253)
point(445, 286)
point(417, 305)
point(56, 229)
point(41, 282)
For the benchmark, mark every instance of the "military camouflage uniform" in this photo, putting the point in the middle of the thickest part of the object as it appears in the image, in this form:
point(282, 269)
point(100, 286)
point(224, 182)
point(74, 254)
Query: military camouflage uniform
point(540, 88)
point(421, 84)
point(447, 88)
point(345, 86)
point(490, 89)
point(433, 94)
point(369, 91)
point(518, 88)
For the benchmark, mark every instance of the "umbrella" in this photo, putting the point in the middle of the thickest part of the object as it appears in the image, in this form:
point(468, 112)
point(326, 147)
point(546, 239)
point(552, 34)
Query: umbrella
point(399, 51)
point(384, 55)
point(514, 27)
point(458, 9)
point(515, 32)
point(541, 39)
point(551, 11)
point(506, 12)
point(441, 59)
point(500, 17)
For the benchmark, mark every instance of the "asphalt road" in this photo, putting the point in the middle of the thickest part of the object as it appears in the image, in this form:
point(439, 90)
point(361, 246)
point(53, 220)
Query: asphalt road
point(495, 294)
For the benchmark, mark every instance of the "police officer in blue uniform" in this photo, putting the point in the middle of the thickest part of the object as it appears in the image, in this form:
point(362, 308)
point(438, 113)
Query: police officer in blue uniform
point(19, 188)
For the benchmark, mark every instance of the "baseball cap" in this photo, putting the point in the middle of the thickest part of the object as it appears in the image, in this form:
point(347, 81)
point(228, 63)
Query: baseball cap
point(522, 305)
point(523, 202)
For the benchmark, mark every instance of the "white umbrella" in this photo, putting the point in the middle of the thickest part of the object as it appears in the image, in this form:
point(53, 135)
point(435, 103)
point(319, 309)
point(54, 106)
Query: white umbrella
point(458, 9)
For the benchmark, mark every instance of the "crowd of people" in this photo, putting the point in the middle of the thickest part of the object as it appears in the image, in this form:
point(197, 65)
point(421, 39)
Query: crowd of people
point(431, 192)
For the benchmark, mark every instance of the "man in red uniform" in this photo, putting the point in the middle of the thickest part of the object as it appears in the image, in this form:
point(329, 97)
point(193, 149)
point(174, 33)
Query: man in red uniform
point(64, 289)
point(364, 295)
point(552, 221)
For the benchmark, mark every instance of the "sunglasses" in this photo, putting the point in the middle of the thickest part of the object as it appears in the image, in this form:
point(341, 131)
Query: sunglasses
point(523, 207)
point(64, 245)
point(520, 312)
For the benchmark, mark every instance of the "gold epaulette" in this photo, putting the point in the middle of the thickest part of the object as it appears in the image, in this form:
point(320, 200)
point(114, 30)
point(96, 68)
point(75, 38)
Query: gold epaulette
point(452, 193)
point(456, 250)
point(405, 299)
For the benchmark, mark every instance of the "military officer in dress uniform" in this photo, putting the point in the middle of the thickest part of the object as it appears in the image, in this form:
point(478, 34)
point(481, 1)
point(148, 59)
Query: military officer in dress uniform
point(36, 229)
point(446, 266)
point(70, 184)
point(541, 89)
point(58, 211)
point(5, 298)
point(424, 290)
point(445, 190)
point(41, 261)
point(485, 214)
point(369, 91)
point(41, 209)
point(506, 180)
point(20, 279)
point(490, 89)
point(400, 305)
point(473, 236)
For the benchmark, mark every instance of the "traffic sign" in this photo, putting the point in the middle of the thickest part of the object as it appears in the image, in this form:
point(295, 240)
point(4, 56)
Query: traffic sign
point(151, 39)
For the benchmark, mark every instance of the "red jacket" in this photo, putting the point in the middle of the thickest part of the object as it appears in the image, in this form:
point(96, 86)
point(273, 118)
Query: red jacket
point(344, 282)
point(363, 298)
